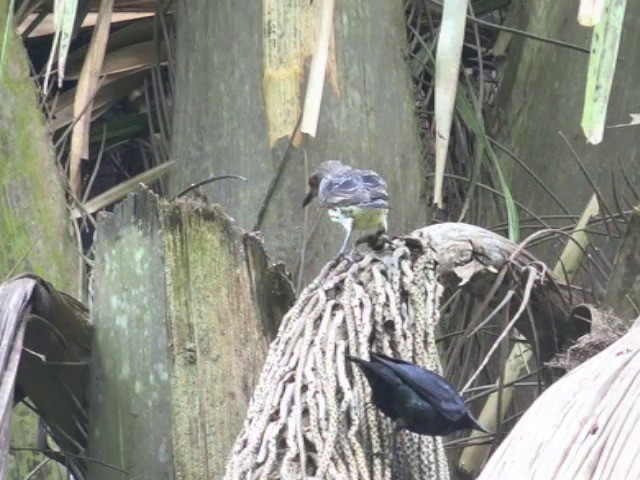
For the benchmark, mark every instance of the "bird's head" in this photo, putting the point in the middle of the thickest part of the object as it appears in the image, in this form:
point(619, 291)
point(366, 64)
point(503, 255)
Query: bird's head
point(326, 168)
point(314, 185)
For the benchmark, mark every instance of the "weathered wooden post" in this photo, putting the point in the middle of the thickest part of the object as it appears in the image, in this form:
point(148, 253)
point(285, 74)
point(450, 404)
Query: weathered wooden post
point(184, 306)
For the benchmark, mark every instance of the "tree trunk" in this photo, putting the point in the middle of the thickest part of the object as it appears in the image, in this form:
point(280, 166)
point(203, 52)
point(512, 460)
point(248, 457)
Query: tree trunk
point(623, 290)
point(34, 220)
point(236, 116)
point(543, 93)
point(33, 215)
point(180, 309)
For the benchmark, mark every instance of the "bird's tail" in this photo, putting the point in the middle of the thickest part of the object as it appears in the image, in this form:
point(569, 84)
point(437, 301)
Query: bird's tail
point(365, 366)
point(358, 361)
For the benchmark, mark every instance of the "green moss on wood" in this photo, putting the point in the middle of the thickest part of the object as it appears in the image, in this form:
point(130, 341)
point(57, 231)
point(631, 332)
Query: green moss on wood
point(216, 336)
point(179, 340)
point(32, 204)
point(130, 397)
point(33, 217)
point(24, 423)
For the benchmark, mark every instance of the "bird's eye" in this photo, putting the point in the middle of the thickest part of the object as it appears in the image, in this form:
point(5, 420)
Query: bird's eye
point(313, 182)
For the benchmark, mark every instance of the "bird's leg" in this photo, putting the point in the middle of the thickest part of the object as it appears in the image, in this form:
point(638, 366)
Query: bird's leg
point(370, 240)
point(378, 240)
point(348, 225)
point(383, 226)
point(375, 241)
point(381, 234)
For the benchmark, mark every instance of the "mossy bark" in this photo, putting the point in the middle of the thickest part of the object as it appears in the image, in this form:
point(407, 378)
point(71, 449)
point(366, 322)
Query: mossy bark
point(34, 222)
point(180, 338)
point(623, 290)
point(33, 216)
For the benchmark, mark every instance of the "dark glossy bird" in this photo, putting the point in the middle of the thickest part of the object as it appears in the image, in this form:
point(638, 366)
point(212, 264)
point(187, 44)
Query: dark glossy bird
point(414, 398)
point(356, 199)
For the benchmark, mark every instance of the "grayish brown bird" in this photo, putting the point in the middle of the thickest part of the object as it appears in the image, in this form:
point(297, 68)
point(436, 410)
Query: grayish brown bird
point(356, 199)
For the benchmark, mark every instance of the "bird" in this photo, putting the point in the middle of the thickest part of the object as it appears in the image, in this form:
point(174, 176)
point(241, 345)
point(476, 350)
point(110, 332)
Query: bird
point(357, 199)
point(414, 398)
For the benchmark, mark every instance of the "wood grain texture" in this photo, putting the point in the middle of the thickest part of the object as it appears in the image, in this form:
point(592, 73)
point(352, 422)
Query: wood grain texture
point(130, 389)
point(623, 290)
point(180, 338)
point(583, 426)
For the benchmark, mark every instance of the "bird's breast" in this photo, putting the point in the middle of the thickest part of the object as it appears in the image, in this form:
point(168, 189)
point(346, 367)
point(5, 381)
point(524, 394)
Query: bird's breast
point(363, 218)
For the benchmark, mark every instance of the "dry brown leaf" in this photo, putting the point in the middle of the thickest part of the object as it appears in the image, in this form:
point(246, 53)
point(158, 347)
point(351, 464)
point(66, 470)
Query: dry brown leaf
point(138, 32)
point(46, 26)
point(86, 90)
point(132, 57)
point(112, 89)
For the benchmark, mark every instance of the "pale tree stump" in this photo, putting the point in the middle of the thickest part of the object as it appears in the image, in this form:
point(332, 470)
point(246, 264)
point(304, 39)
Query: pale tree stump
point(184, 306)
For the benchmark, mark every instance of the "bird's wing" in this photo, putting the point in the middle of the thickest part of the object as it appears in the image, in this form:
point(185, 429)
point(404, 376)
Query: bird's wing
point(376, 374)
point(364, 188)
point(384, 384)
point(374, 184)
point(428, 385)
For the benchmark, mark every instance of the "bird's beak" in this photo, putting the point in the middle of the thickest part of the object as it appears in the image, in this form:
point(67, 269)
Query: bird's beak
point(307, 200)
